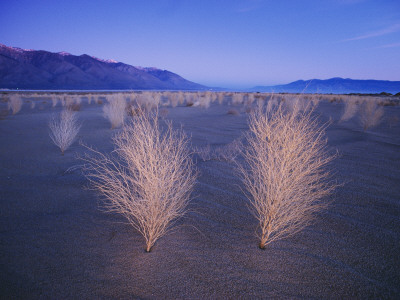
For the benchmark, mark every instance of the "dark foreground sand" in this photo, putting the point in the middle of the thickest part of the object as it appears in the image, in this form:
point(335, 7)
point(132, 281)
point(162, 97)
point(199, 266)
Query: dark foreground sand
point(56, 244)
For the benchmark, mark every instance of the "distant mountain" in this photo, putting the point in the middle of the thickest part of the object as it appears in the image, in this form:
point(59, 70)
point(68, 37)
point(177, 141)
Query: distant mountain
point(334, 85)
point(31, 69)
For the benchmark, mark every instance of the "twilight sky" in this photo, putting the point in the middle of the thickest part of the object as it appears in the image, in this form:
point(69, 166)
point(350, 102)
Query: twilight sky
point(226, 43)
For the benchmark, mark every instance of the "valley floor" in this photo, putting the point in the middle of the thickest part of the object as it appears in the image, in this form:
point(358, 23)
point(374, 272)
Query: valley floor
point(56, 243)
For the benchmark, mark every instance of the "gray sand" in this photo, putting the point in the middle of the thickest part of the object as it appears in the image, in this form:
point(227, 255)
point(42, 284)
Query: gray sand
point(55, 242)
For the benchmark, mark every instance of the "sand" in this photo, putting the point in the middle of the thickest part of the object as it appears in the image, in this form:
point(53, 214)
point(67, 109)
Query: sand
point(55, 242)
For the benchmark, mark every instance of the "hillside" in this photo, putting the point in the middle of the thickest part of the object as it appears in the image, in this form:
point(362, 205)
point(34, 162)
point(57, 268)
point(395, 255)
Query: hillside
point(31, 69)
point(334, 86)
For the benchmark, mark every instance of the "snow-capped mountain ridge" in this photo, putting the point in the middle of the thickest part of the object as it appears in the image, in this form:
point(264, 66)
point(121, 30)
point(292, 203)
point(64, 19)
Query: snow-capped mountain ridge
point(39, 69)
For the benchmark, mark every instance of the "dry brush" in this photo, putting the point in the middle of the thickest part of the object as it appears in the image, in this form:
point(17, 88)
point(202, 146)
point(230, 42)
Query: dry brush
point(115, 110)
point(370, 114)
point(148, 178)
point(285, 170)
point(63, 129)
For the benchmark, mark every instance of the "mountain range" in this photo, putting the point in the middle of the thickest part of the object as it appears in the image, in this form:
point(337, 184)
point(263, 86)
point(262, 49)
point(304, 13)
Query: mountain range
point(39, 69)
point(335, 85)
point(32, 69)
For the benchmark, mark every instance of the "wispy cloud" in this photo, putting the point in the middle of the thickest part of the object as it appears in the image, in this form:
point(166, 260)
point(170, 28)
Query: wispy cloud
point(394, 45)
point(372, 34)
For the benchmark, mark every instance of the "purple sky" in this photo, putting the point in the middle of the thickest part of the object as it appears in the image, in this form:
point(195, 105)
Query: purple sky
point(225, 43)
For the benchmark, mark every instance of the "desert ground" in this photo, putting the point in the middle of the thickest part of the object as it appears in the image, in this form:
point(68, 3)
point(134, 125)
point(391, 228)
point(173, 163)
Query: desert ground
point(56, 243)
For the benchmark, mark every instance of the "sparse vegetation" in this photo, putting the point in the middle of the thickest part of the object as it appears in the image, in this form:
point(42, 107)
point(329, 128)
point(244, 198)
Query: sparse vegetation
point(15, 104)
point(350, 109)
point(63, 129)
point(233, 112)
point(54, 101)
point(115, 111)
point(285, 174)
point(230, 151)
point(149, 179)
point(204, 152)
point(370, 114)
point(75, 106)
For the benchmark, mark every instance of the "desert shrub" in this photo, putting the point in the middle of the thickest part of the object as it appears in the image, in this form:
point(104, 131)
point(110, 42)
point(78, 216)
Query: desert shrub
point(334, 99)
point(89, 98)
point(189, 99)
point(250, 98)
point(388, 102)
point(315, 100)
point(63, 129)
point(149, 177)
point(148, 101)
point(220, 97)
point(177, 98)
point(295, 102)
point(15, 104)
point(67, 101)
point(153, 101)
point(174, 99)
point(205, 153)
point(181, 98)
point(213, 96)
point(230, 151)
point(233, 112)
point(115, 111)
point(370, 114)
point(284, 170)
point(74, 106)
point(205, 100)
point(349, 110)
point(237, 99)
point(54, 101)
point(271, 104)
point(132, 110)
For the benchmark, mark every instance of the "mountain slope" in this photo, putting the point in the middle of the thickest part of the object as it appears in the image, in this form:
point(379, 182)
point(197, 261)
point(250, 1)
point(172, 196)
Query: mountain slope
point(30, 69)
point(335, 86)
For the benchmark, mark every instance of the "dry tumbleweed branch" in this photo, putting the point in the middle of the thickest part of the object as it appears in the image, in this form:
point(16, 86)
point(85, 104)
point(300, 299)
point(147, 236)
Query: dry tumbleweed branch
point(115, 110)
point(148, 178)
point(15, 104)
point(63, 129)
point(285, 174)
point(349, 110)
point(370, 114)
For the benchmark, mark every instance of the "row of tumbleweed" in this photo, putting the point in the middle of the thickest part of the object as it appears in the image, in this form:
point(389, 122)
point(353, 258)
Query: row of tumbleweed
point(150, 175)
point(369, 111)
